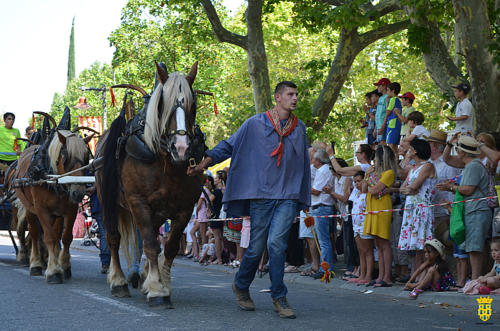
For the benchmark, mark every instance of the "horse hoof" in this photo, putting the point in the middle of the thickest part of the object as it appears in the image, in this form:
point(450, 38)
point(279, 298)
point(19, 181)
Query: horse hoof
point(160, 302)
point(36, 271)
point(56, 278)
point(133, 279)
point(67, 273)
point(120, 291)
point(23, 259)
point(168, 303)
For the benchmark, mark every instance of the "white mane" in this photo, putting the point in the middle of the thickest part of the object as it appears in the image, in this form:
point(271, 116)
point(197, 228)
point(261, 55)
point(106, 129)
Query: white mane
point(176, 87)
point(74, 145)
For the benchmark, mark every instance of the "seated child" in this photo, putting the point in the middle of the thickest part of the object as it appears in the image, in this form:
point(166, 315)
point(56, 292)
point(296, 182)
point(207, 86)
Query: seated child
point(489, 283)
point(208, 251)
point(433, 274)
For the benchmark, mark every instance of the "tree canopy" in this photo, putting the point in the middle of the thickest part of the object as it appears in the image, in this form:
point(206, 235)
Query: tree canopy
point(333, 50)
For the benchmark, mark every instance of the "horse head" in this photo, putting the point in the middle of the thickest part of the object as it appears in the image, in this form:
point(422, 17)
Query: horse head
point(68, 151)
point(171, 116)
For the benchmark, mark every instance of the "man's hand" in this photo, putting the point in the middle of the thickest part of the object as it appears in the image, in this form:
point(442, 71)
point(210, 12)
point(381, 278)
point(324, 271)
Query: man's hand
point(200, 168)
point(381, 130)
point(450, 118)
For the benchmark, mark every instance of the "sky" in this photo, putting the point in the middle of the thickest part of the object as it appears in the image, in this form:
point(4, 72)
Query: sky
point(34, 48)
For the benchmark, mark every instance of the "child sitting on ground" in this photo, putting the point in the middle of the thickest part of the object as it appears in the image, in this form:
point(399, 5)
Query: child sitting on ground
point(208, 251)
point(489, 283)
point(433, 274)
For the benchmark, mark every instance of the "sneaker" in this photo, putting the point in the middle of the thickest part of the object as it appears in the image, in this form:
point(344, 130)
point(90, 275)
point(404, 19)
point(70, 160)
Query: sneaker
point(281, 306)
point(243, 298)
point(104, 268)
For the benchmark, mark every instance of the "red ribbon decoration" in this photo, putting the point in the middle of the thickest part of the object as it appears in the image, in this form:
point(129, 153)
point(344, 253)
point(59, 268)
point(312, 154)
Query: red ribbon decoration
point(216, 111)
point(33, 121)
point(112, 97)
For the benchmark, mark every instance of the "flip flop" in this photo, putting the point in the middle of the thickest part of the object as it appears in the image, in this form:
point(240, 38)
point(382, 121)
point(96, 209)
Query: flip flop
point(382, 284)
point(291, 269)
point(371, 283)
point(308, 272)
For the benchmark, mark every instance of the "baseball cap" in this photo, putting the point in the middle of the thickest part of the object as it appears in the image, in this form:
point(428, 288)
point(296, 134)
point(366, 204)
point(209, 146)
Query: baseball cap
point(382, 81)
point(463, 86)
point(408, 95)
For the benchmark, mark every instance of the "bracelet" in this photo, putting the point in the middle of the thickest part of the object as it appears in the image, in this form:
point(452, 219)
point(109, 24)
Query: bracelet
point(332, 157)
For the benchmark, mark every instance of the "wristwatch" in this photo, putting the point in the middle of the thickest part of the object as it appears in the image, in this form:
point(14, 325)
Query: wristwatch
point(332, 157)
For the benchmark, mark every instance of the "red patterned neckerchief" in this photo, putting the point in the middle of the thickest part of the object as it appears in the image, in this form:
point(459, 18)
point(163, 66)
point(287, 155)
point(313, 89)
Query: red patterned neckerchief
point(290, 125)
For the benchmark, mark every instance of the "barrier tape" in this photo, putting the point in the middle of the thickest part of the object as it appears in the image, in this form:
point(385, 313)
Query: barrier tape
point(372, 212)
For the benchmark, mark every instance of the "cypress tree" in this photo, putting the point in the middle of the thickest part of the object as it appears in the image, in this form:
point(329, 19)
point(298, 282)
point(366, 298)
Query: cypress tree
point(71, 54)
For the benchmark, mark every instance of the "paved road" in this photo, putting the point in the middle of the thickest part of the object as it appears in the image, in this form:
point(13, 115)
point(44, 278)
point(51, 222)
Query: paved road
point(203, 301)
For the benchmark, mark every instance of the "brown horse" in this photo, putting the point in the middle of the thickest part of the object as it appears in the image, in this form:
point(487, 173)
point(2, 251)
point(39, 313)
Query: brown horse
point(143, 194)
point(55, 208)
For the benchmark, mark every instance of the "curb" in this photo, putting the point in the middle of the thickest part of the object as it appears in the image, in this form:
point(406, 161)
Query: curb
point(445, 299)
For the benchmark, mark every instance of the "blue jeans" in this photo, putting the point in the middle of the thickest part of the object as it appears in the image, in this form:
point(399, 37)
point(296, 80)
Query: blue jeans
point(271, 221)
point(322, 228)
point(136, 266)
point(105, 254)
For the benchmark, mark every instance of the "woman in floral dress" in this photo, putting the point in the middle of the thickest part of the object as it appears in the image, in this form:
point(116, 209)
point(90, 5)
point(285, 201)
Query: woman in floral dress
point(419, 186)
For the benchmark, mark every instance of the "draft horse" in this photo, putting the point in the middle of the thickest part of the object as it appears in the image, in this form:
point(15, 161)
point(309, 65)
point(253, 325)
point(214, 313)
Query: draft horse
point(55, 207)
point(141, 187)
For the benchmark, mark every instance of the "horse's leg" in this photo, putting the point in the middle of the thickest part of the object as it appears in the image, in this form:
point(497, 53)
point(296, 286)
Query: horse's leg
point(19, 214)
point(36, 264)
point(170, 251)
point(116, 278)
point(67, 238)
point(152, 285)
point(54, 272)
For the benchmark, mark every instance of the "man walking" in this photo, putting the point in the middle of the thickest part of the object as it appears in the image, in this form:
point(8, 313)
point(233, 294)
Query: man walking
point(269, 180)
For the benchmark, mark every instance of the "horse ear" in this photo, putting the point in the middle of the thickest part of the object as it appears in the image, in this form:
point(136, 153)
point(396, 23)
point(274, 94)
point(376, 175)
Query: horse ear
point(62, 138)
point(192, 74)
point(88, 138)
point(162, 74)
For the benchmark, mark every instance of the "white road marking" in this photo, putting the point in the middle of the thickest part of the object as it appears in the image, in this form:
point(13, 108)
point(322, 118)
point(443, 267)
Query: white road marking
point(115, 303)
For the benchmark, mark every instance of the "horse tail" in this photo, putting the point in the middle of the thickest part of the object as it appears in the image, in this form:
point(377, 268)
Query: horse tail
point(109, 186)
point(128, 237)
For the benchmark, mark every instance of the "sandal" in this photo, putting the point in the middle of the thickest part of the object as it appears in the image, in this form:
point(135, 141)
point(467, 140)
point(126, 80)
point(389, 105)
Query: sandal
point(308, 272)
point(414, 294)
point(291, 269)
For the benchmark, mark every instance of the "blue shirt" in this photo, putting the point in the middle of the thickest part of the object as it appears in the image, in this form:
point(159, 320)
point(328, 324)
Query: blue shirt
point(370, 123)
point(254, 174)
point(381, 108)
point(393, 121)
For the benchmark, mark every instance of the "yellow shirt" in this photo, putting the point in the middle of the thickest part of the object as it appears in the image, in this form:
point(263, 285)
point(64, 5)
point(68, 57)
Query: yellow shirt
point(380, 224)
point(8, 143)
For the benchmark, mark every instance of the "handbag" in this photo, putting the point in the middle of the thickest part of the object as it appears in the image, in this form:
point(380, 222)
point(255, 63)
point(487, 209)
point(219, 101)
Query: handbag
point(372, 180)
point(457, 227)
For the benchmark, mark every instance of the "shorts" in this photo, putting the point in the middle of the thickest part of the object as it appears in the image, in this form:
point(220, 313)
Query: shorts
point(370, 139)
point(477, 227)
point(363, 236)
point(216, 224)
point(382, 137)
point(393, 136)
point(304, 231)
point(459, 253)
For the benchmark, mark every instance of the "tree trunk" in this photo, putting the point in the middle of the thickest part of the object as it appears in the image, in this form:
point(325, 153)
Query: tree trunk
point(257, 59)
point(347, 49)
point(473, 33)
point(438, 60)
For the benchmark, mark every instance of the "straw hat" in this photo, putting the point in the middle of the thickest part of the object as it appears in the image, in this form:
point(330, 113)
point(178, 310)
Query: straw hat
point(468, 145)
point(437, 245)
point(437, 136)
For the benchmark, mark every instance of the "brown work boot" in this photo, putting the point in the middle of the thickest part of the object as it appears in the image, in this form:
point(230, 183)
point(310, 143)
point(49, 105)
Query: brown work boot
point(281, 306)
point(243, 298)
